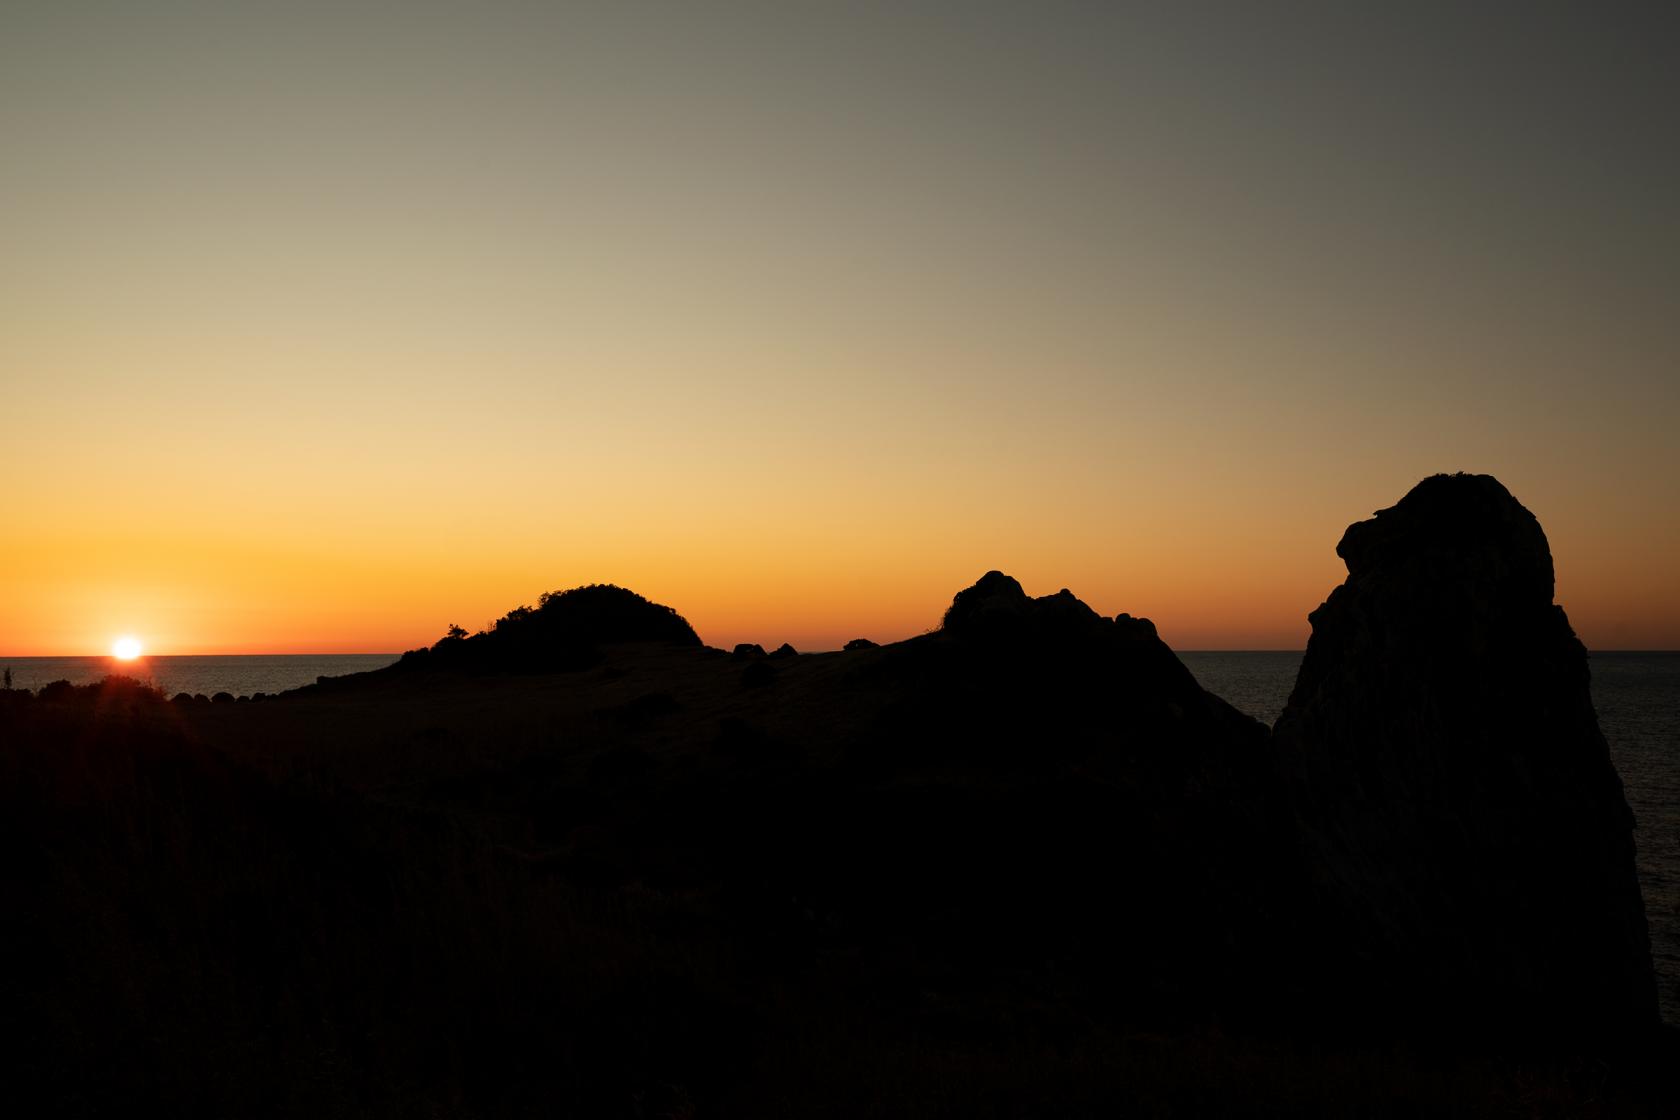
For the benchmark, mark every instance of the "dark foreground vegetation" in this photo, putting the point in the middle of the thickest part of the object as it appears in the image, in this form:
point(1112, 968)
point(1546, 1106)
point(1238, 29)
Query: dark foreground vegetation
point(1021, 866)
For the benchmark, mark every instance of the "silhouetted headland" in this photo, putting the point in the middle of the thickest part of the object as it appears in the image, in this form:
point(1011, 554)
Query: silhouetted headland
point(579, 862)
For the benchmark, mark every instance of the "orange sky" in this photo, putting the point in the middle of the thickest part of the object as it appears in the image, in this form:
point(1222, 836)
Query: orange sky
point(323, 329)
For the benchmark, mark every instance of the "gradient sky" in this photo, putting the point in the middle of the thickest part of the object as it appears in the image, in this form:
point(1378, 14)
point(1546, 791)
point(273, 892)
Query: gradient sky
point(325, 326)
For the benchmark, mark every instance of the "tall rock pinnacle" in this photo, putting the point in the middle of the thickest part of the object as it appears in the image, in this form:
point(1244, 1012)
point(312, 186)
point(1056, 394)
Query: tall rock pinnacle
point(1468, 831)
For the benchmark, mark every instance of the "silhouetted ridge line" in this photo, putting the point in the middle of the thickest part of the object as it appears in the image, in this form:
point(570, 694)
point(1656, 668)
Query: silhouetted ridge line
point(1021, 854)
point(565, 630)
point(995, 608)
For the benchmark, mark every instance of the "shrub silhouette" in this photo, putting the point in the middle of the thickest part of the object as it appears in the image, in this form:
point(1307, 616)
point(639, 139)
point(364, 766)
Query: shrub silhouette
point(112, 692)
point(57, 691)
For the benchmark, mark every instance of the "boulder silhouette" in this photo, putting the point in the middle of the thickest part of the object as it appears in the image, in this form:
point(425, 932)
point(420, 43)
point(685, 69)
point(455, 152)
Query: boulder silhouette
point(1457, 800)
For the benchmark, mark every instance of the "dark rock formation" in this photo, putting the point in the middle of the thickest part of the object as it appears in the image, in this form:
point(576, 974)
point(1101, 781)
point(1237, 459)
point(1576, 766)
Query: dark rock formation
point(1074, 664)
point(784, 650)
point(1458, 803)
point(1140, 628)
point(860, 643)
point(995, 609)
point(1044, 784)
point(744, 650)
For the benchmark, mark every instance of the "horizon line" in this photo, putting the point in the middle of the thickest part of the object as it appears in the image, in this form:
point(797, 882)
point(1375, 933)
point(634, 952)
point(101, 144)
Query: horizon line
point(107, 656)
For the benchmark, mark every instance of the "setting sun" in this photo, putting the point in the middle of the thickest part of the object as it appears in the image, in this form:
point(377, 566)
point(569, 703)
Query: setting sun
point(125, 649)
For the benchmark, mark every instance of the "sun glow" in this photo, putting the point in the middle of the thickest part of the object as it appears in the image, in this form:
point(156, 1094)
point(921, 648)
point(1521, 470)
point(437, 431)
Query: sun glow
point(125, 648)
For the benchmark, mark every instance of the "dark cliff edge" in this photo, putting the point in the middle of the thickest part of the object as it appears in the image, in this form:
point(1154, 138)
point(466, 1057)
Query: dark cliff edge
point(1020, 864)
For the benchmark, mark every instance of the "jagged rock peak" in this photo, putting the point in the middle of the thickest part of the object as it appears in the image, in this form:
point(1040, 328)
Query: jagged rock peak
point(996, 606)
point(994, 585)
point(1453, 518)
point(994, 599)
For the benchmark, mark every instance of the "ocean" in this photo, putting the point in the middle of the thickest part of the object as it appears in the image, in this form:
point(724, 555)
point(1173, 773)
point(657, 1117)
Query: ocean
point(1637, 696)
point(240, 676)
point(1638, 700)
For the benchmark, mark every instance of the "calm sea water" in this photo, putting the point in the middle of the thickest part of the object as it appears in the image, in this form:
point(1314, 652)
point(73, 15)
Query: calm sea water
point(1637, 696)
point(242, 676)
point(1638, 700)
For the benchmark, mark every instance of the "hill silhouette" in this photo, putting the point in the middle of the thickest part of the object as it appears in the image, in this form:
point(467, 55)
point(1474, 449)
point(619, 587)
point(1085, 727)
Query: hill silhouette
point(565, 630)
point(1021, 864)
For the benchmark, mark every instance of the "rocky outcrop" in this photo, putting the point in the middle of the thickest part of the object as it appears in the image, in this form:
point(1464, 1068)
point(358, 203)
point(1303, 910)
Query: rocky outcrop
point(1464, 826)
point(996, 609)
point(1044, 784)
